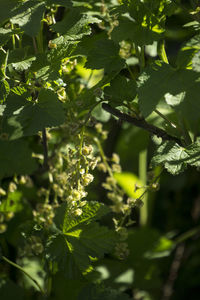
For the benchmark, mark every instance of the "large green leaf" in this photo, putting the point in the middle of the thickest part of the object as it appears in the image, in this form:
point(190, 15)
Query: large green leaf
point(74, 24)
point(15, 158)
point(164, 81)
point(80, 238)
point(91, 211)
point(130, 30)
point(7, 7)
point(105, 55)
point(142, 22)
point(28, 16)
point(24, 118)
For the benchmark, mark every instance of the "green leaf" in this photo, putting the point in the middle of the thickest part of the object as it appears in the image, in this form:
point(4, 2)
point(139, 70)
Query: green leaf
point(23, 118)
point(105, 55)
point(4, 89)
point(89, 241)
point(120, 90)
point(91, 211)
point(20, 60)
point(196, 62)
point(176, 158)
point(154, 83)
point(142, 22)
point(16, 158)
point(47, 65)
point(131, 31)
point(7, 7)
point(74, 25)
point(186, 54)
point(81, 237)
point(164, 81)
point(28, 16)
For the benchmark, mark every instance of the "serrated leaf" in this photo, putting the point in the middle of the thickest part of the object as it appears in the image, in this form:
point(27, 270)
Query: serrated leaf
point(4, 89)
point(176, 158)
point(196, 62)
point(91, 211)
point(164, 81)
point(142, 22)
point(16, 158)
point(47, 65)
point(28, 16)
point(81, 237)
point(153, 87)
point(74, 248)
point(186, 54)
point(131, 31)
point(74, 25)
point(105, 55)
point(20, 60)
point(120, 90)
point(172, 156)
point(23, 118)
point(90, 240)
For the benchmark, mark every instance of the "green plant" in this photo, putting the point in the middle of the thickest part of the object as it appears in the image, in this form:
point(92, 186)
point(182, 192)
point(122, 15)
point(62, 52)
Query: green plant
point(65, 68)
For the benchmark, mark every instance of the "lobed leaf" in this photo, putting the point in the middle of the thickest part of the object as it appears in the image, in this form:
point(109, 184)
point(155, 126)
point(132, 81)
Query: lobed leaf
point(23, 118)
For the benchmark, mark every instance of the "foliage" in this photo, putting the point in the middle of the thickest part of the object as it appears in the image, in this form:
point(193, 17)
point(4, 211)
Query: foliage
point(67, 210)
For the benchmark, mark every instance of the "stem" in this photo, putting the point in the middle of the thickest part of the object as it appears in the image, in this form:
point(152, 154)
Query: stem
point(131, 73)
point(143, 178)
point(27, 274)
point(186, 235)
point(141, 57)
point(162, 52)
point(166, 119)
point(173, 273)
point(186, 135)
point(13, 38)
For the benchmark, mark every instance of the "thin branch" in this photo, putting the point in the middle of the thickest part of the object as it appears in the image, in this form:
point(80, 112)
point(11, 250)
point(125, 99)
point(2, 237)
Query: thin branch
point(26, 273)
point(141, 123)
point(173, 273)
